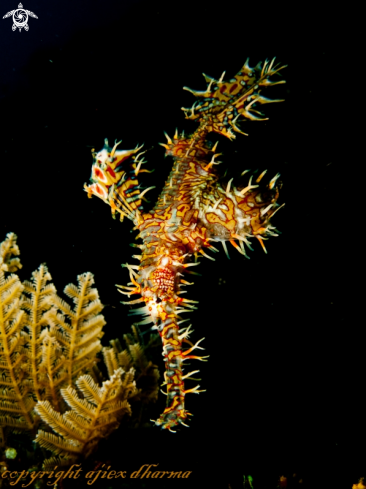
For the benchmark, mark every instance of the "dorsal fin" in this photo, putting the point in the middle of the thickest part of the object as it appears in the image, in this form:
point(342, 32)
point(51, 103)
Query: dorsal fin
point(223, 102)
point(114, 180)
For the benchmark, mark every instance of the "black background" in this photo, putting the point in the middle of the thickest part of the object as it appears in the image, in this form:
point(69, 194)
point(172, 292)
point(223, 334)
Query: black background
point(285, 375)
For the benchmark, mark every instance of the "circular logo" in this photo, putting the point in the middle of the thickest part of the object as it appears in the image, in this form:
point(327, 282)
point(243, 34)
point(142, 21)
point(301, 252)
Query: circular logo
point(20, 18)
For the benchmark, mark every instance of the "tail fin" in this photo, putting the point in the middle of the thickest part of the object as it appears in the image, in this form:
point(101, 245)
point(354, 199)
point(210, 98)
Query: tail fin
point(223, 102)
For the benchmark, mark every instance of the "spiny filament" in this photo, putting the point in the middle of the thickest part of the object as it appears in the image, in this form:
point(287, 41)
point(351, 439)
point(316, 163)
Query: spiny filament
point(194, 209)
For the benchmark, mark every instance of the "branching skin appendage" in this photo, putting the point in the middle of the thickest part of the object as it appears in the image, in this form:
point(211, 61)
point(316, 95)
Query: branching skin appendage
point(192, 211)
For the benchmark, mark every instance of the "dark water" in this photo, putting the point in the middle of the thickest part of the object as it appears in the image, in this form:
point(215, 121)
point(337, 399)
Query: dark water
point(286, 373)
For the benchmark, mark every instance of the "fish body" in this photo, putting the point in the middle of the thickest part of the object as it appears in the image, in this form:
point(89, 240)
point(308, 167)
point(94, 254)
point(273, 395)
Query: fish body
point(194, 210)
